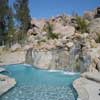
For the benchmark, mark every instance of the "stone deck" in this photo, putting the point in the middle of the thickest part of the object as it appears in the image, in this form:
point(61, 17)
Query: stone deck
point(6, 83)
point(87, 89)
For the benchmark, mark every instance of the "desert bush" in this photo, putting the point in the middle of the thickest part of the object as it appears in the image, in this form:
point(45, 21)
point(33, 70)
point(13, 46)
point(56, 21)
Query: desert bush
point(98, 39)
point(49, 30)
point(82, 25)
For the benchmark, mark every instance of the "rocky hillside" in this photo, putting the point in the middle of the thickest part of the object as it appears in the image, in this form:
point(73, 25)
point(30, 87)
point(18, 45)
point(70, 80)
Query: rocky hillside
point(66, 42)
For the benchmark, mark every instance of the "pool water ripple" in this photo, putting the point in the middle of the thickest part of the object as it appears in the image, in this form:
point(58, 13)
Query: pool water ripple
point(36, 84)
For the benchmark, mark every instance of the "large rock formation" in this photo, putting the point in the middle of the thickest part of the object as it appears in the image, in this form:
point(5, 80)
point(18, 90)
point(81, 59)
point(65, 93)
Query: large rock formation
point(77, 53)
point(71, 49)
point(67, 31)
point(53, 59)
point(94, 26)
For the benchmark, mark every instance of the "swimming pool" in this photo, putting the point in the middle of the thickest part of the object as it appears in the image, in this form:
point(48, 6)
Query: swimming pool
point(37, 84)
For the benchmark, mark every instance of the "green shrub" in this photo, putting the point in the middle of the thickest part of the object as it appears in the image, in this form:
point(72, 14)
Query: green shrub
point(52, 35)
point(49, 30)
point(98, 39)
point(43, 40)
point(82, 24)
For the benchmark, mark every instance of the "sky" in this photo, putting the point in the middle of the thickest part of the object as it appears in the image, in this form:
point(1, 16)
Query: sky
point(48, 8)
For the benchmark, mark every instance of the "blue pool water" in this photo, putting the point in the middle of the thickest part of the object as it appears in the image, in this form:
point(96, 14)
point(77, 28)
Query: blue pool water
point(36, 84)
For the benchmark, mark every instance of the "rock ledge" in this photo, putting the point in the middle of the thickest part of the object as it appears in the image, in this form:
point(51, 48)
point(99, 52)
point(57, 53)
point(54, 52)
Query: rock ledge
point(6, 83)
point(87, 88)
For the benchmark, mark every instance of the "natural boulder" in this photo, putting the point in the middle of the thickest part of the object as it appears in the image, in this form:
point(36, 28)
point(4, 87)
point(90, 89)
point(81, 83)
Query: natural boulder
point(92, 76)
point(38, 23)
point(51, 59)
point(70, 44)
point(64, 30)
point(94, 26)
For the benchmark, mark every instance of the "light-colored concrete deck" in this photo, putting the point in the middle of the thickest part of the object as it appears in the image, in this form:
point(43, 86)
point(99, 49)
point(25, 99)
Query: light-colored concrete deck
point(6, 83)
point(87, 89)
